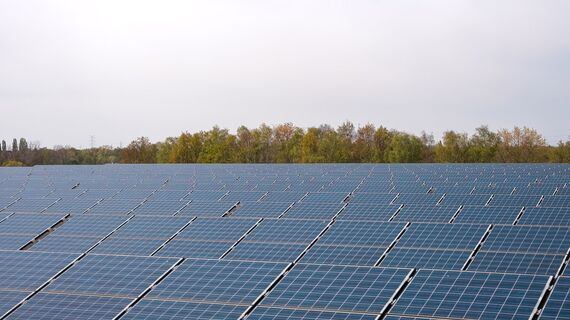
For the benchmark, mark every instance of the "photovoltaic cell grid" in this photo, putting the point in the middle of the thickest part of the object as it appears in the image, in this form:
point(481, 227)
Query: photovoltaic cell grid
point(156, 192)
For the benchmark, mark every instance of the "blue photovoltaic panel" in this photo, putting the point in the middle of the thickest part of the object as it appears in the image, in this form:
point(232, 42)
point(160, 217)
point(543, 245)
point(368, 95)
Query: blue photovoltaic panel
point(27, 271)
point(536, 190)
point(132, 194)
point(506, 190)
point(59, 306)
point(488, 215)
point(426, 258)
point(160, 208)
point(125, 276)
point(372, 198)
point(168, 195)
point(286, 196)
point(9, 299)
point(128, 246)
point(32, 205)
point(206, 209)
point(28, 224)
point(235, 196)
point(99, 193)
point(14, 242)
point(236, 282)
point(261, 209)
point(470, 295)
point(345, 255)
point(325, 197)
point(529, 263)
point(218, 229)
point(111, 206)
point(556, 201)
point(415, 213)
point(313, 210)
point(558, 304)
point(263, 313)
point(367, 211)
point(465, 200)
point(514, 200)
point(72, 205)
point(442, 236)
point(287, 231)
point(151, 227)
point(333, 288)
point(205, 195)
point(528, 239)
point(195, 249)
point(181, 310)
point(62, 243)
point(545, 216)
point(266, 251)
point(422, 199)
point(361, 233)
point(90, 225)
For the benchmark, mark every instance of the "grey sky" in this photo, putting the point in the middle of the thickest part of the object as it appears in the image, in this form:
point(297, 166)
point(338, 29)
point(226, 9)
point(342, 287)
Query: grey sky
point(121, 69)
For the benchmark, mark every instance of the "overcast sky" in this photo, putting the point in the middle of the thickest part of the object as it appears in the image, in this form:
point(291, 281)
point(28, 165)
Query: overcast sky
point(117, 70)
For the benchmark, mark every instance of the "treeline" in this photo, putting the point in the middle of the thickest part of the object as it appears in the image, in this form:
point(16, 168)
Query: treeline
point(286, 143)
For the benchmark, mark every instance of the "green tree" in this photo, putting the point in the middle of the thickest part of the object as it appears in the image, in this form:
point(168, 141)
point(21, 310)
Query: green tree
point(187, 148)
point(521, 145)
point(364, 144)
point(23, 145)
point(404, 148)
point(15, 145)
point(453, 148)
point(218, 146)
point(483, 145)
point(4, 145)
point(140, 151)
point(310, 146)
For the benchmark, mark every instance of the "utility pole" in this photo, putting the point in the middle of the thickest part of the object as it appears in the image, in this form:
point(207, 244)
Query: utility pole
point(92, 139)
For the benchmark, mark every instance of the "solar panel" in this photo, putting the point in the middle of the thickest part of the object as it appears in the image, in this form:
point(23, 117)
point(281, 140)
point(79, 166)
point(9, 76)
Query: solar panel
point(63, 243)
point(195, 249)
point(9, 299)
point(528, 239)
point(313, 210)
point(32, 205)
point(205, 195)
point(120, 276)
point(470, 295)
point(423, 199)
point(128, 246)
point(89, 225)
point(426, 258)
point(333, 288)
point(415, 213)
point(514, 200)
point(525, 263)
point(372, 198)
point(261, 209)
point(442, 236)
point(72, 205)
point(216, 229)
point(361, 233)
point(558, 305)
point(488, 215)
point(14, 242)
point(110, 206)
point(287, 231)
point(29, 224)
point(366, 211)
point(159, 207)
point(286, 196)
point(70, 307)
point(465, 200)
point(235, 282)
point(325, 197)
point(163, 309)
point(545, 216)
point(263, 313)
point(150, 227)
point(556, 202)
point(343, 255)
point(206, 209)
point(235, 196)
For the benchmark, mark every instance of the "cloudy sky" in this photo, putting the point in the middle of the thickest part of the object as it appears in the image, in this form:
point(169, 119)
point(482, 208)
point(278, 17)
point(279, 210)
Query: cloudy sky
point(117, 70)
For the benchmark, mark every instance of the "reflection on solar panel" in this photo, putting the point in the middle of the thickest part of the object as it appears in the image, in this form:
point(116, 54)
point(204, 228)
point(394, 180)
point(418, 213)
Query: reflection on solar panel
point(470, 295)
point(332, 288)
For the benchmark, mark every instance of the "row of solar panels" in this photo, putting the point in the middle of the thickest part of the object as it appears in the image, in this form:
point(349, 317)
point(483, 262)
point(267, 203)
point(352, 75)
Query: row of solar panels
point(66, 286)
point(493, 248)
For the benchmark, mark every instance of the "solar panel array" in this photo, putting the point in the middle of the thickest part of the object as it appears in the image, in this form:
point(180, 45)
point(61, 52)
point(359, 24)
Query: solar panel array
point(344, 241)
